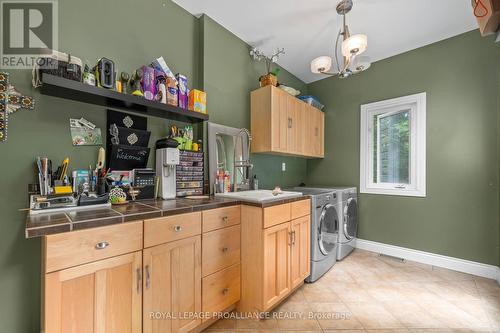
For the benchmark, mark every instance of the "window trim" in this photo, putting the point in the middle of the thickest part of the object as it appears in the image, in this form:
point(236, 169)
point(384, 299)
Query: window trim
point(417, 105)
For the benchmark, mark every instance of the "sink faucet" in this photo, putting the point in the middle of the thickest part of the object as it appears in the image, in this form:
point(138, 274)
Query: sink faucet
point(242, 166)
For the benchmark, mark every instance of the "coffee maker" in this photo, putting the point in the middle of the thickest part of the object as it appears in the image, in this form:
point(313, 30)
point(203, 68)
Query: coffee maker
point(166, 160)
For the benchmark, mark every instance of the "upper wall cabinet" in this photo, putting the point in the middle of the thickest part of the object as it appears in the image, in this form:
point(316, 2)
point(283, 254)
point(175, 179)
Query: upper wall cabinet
point(283, 124)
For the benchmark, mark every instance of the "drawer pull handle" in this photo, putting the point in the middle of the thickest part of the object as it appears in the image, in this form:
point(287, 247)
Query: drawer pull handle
point(225, 219)
point(177, 228)
point(225, 291)
point(101, 245)
point(225, 249)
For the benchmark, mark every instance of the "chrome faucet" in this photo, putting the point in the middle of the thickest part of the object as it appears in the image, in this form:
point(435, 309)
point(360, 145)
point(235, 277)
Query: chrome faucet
point(242, 166)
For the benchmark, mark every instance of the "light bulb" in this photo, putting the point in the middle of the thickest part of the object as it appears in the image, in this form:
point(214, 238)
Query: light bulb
point(321, 64)
point(354, 45)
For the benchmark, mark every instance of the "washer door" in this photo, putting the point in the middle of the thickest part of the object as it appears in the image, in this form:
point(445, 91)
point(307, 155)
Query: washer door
point(350, 219)
point(328, 229)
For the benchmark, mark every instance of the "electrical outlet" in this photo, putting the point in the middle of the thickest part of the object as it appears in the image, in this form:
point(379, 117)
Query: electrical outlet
point(283, 166)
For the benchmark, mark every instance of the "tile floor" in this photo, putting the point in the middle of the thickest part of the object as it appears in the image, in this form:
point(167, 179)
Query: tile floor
point(369, 293)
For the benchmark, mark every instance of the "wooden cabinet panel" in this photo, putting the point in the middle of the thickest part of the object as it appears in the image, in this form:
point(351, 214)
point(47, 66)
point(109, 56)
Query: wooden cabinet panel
point(300, 208)
point(293, 134)
point(221, 289)
point(300, 252)
point(103, 296)
point(315, 129)
point(283, 124)
point(262, 127)
point(276, 214)
point(279, 121)
point(166, 229)
point(172, 285)
point(79, 247)
point(321, 130)
point(218, 218)
point(221, 249)
point(276, 264)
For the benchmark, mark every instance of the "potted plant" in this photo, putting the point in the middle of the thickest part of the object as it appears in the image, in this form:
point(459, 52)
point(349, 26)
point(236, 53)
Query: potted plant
point(271, 76)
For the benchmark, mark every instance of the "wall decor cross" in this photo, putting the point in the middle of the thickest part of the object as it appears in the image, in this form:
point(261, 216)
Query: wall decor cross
point(10, 101)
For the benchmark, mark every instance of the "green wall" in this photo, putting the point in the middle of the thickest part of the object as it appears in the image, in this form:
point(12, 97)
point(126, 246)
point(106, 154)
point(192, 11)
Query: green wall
point(230, 74)
point(460, 215)
point(162, 29)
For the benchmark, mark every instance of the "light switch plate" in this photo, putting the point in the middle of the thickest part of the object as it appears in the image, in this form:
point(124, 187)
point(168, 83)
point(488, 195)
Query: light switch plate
point(283, 166)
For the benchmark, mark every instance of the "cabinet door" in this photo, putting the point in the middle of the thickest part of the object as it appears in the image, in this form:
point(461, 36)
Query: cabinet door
point(300, 253)
point(100, 297)
point(295, 135)
point(321, 133)
point(316, 132)
point(172, 286)
point(279, 120)
point(276, 264)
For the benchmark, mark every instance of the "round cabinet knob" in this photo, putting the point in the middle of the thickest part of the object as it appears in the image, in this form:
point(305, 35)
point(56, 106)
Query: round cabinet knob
point(225, 219)
point(177, 228)
point(225, 249)
point(101, 245)
point(225, 291)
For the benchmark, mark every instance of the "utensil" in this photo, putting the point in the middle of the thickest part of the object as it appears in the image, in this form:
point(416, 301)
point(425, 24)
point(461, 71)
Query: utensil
point(64, 168)
point(101, 159)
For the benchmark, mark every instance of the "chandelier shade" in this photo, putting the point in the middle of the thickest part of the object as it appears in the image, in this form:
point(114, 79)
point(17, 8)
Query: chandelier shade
point(321, 64)
point(354, 45)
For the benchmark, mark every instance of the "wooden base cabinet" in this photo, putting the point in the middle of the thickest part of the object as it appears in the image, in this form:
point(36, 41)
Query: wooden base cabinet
point(275, 253)
point(172, 286)
point(283, 124)
point(103, 296)
point(147, 276)
point(276, 243)
point(301, 255)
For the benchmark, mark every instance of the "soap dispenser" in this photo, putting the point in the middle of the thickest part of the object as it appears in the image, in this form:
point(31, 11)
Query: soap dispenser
point(255, 183)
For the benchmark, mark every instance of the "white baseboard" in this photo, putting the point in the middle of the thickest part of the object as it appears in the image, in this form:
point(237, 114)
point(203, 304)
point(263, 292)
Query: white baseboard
point(461, 265)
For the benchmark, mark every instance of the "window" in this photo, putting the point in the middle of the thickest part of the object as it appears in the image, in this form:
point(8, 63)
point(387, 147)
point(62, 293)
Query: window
point(392, 148)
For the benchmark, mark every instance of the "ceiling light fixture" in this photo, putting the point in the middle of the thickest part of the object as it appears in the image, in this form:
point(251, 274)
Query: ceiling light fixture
point(350, 50)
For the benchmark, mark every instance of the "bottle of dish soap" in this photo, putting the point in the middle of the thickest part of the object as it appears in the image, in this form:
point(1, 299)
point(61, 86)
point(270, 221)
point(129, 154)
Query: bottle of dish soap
point(255, 183)
point(227, 182)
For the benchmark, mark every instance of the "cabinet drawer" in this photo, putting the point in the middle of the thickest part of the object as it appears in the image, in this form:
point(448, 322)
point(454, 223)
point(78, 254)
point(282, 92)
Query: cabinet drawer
point(220, 249)
point(221, 290)
point(220, 218)
point(300, 208)
point(79, 247)
point(276, 214)
point(166, 229)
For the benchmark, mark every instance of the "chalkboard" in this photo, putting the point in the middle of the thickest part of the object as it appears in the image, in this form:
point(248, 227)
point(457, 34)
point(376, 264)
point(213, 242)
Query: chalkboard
point(123, 157)
point(128, 136)
point(132, 122)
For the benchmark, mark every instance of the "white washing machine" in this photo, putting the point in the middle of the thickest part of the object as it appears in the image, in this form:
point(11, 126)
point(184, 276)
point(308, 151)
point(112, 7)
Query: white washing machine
point(348, 229)
point(348, 218)
point(325, 221)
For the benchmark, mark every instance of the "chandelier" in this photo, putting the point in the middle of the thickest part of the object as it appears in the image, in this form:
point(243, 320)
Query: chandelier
point(349, 50)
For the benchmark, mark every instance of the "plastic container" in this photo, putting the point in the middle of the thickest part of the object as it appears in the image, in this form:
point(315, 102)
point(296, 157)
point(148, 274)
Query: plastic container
point(311, 100)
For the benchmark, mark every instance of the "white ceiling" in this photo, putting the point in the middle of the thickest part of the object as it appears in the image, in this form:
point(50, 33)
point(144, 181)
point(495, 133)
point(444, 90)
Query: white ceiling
point(307, 28)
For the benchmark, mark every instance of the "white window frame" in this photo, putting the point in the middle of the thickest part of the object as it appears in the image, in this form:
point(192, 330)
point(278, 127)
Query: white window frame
point(416, 104)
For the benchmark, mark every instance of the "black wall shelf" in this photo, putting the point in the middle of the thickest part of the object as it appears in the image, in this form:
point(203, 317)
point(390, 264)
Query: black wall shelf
point(78, 91)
